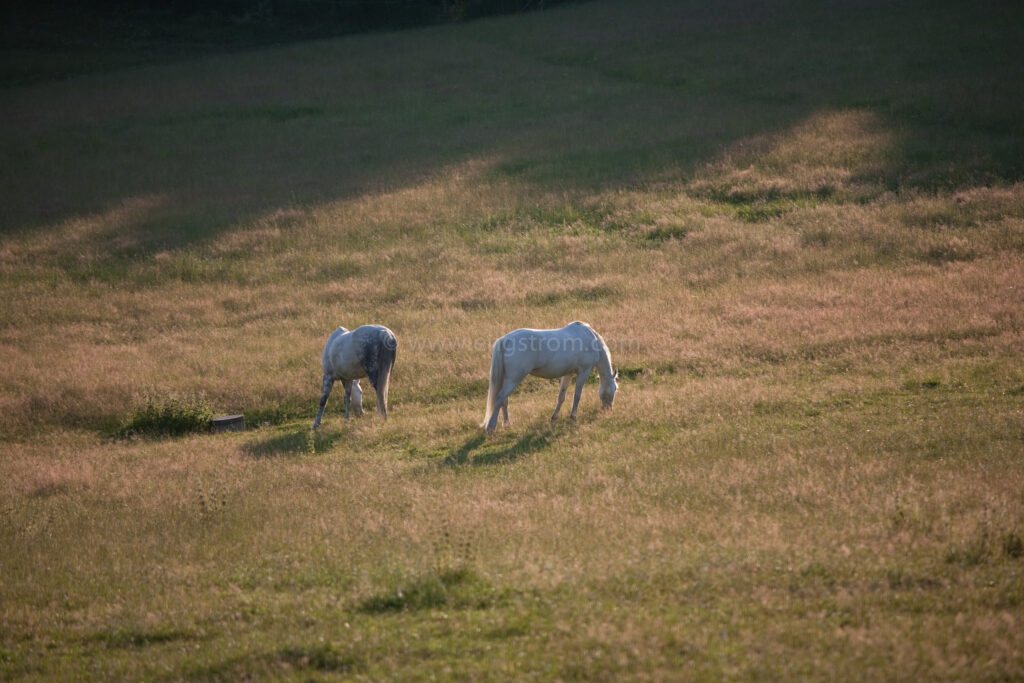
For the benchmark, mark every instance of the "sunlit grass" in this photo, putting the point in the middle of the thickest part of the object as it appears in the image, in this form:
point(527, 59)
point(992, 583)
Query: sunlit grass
point(813, 467)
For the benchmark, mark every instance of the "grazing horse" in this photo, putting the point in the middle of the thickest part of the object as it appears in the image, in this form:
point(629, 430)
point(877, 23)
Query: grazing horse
point(367, 351)
point(574, 349)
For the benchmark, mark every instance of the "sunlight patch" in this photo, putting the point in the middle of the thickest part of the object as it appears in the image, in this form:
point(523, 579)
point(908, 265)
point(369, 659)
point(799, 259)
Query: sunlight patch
point(830, 153)
point(113, 229)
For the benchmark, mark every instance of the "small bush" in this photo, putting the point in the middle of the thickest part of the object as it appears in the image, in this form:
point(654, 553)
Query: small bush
point(169, 417)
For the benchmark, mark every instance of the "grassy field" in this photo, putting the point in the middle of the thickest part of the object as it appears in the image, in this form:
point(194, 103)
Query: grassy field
point(800, 227)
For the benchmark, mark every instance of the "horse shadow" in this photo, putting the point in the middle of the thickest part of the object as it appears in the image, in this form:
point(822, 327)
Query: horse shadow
point(294, 442)
point(480, 451)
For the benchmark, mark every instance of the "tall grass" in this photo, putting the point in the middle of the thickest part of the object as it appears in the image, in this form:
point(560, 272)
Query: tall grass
point(800, 228)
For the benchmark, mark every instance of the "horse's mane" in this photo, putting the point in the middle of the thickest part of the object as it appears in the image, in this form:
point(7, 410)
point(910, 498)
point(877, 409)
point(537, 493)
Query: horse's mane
point(607, 356)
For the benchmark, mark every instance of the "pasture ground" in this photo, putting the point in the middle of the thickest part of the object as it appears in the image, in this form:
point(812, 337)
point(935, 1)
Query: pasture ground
point(800, 227)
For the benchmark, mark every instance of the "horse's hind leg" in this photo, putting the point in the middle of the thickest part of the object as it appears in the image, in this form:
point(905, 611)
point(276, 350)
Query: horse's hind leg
point(561, 396)
point(581, 379)
point(507, 387)
point(328, 383)
point(504, 412)
point(382, 399)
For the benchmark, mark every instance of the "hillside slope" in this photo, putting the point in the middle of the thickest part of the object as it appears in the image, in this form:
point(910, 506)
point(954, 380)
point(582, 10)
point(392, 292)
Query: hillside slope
point(800, 228)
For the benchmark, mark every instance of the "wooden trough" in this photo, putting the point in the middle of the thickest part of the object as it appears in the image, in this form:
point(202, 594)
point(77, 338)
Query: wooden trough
point(229, 423)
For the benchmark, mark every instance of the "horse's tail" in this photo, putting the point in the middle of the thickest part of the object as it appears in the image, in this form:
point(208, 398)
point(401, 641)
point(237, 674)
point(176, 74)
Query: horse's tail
point(496, 380)
point(385, 362)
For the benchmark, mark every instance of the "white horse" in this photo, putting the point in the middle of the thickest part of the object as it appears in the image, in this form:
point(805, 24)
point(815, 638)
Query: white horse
point(367, 351)
point(574, 349)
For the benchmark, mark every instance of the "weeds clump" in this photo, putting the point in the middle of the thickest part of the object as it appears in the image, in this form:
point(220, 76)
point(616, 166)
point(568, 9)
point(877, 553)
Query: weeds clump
point(173, 416)
point(1013, 546)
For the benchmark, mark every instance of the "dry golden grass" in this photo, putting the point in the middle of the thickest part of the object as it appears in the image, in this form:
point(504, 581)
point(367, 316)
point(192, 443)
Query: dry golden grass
point(813, 468)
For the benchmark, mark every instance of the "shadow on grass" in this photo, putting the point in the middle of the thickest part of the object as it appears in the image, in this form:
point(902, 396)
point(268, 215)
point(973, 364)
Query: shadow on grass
point(959, 123)
point(481, 450)
point(302, 658)
point(130, 637)
point(291, 442)
point(458, 588)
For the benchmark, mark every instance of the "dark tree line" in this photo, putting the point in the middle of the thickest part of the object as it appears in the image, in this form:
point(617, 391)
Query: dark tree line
point(264, 18)
point(365, 14)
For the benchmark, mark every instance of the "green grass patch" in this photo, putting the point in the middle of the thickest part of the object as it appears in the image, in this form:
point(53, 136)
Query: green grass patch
point(169, 416)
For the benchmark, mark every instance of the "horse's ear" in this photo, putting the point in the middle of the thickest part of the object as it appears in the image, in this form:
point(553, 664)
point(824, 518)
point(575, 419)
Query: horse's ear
point(616, 375)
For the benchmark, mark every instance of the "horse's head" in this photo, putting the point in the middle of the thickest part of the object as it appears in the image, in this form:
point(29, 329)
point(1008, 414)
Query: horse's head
point(357, 399)
point(606, 390)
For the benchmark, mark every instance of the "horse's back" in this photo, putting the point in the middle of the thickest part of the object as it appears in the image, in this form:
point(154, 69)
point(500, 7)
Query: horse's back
point(332, 342)
point(339, 360)
point(374, 339)
point(374, 333)
point(354, 354)
point(337, 333)
point(553, 352)
point(572, 328)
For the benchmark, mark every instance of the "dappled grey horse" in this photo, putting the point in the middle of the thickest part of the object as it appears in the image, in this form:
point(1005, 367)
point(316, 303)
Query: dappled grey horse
point(367, 351)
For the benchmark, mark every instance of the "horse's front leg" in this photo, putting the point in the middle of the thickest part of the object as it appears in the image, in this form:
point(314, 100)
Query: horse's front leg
point(347, 383)
point(561, 396)
point(328, 383)
point(581, 379)
point(356, 402)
